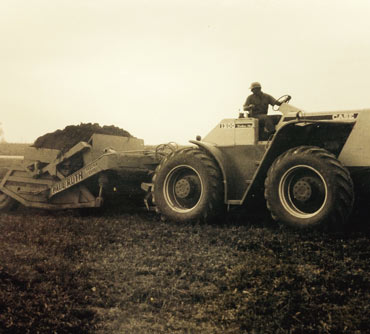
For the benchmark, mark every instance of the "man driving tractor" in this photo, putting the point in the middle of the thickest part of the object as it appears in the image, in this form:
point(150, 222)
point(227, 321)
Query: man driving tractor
point(257, 105)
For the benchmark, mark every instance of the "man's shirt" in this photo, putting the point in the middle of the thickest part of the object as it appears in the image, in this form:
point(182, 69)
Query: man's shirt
point(261, 103)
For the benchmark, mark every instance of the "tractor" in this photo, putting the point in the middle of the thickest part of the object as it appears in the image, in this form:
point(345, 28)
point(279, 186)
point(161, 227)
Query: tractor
point(306, 172)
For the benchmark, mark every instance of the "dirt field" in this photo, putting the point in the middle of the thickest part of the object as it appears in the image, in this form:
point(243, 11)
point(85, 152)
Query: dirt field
point(132, 273)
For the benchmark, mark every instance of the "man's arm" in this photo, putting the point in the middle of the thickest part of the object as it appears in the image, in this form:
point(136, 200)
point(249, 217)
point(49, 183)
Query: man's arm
point(273, 101)
point(248, 105)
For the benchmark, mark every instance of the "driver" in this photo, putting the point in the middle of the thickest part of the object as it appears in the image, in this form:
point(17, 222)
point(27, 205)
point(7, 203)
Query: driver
point(257, 105)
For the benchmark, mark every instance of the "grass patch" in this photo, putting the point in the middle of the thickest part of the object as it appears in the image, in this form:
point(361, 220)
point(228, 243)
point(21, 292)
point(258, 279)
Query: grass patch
point(132, 273)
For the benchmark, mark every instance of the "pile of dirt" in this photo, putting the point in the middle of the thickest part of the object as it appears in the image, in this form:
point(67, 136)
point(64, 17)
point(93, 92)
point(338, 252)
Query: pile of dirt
point(71, 135)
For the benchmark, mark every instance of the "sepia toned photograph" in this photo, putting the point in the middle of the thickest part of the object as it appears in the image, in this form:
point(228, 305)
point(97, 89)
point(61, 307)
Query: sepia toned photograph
point(184, 167)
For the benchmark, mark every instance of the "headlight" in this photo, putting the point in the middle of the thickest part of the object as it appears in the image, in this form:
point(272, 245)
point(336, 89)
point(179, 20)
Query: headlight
point(299, 114)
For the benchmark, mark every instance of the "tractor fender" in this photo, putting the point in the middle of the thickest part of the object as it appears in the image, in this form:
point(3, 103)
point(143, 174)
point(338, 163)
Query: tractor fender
point(215, 152)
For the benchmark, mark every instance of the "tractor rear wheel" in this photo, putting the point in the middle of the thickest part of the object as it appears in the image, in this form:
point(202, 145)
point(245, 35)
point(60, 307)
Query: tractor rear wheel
point(187, 186)
point(307, 186)
point(7, 203)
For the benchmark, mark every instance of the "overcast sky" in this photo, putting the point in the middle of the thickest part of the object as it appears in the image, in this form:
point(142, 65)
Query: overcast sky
point(168, 70)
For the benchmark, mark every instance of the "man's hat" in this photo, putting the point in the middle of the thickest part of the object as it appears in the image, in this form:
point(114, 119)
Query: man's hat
point(255, 85)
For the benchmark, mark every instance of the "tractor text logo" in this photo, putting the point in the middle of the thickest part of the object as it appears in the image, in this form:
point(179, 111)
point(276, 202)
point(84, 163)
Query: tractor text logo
point(67, 182)
point(91, 169)
point(344, 116)
point(227, 125)
point(75, 178)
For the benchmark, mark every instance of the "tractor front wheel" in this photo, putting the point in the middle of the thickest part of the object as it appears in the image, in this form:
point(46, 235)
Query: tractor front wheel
point(307, 186)
point(188, 186)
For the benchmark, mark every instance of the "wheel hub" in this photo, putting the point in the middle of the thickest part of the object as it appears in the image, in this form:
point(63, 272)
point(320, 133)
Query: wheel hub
point(182, 188)
point(302, 190)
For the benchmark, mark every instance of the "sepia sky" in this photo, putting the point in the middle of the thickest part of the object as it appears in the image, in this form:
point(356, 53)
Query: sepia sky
point(168, 70)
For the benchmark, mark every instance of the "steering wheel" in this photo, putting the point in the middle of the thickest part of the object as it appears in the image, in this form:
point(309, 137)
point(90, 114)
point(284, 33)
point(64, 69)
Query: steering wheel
point(282, 99)
point(163, 150)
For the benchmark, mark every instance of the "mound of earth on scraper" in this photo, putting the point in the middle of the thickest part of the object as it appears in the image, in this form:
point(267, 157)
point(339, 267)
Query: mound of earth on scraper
point(71, 135)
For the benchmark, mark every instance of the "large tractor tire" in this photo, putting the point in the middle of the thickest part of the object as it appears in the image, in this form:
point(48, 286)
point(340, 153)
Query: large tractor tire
point(307, 186)
point(187, 186)
point(7, 203)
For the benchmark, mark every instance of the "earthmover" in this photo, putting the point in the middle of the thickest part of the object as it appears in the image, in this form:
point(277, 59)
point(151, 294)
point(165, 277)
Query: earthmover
point(309, 172)
point(104, 166)
point(306, 171)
